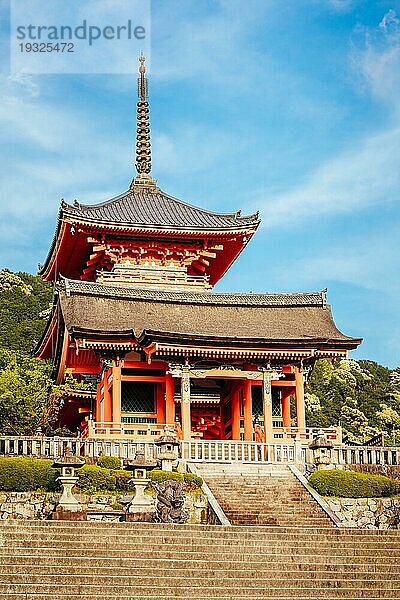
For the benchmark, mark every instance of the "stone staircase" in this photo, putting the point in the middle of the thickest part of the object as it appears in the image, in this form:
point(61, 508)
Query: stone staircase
point(109, 561)
point(262, 495)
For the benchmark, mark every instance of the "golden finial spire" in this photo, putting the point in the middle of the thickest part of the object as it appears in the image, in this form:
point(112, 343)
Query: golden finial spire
point(143, 148)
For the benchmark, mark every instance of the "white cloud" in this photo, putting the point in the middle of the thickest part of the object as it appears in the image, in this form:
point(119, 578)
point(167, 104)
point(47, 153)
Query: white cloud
point(367, 174)
point(192, 149)
point(341, 6)
point(376, 61)
point(367, 260)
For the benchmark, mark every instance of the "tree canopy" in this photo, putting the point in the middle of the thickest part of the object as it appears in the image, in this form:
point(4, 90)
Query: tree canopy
point(362, 396)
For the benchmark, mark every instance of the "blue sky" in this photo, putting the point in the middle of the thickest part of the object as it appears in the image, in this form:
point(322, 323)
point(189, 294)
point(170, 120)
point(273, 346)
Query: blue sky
point(291, 108)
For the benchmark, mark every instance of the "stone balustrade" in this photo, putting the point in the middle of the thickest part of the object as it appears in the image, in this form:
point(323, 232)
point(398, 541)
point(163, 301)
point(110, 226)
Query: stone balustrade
point(55, 446)
point(295, 452)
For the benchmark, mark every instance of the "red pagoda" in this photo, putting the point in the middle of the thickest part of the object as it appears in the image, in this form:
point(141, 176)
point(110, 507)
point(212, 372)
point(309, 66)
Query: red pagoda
point(134, 314)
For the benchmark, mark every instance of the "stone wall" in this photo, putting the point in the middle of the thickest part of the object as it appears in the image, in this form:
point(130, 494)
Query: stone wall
point(366, 513)
point(40, 505)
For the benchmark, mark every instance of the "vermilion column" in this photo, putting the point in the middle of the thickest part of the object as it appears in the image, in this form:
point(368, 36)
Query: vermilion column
point(300, 406)
point(99, 396)
point(169, 399)
point(286, 392)
point(248, 410)
point(236, 415)
point(107, 398)
point(161, 403)
point(185, 404)
point(116, 394)
point(222, 419)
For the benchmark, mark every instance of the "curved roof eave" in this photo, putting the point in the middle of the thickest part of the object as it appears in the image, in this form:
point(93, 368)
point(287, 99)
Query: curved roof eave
point(151, 207)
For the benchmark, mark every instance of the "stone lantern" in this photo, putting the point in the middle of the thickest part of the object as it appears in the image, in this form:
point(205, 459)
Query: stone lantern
point(139, 466)
point(168, 444)
point(68, 463)
point(321, 448)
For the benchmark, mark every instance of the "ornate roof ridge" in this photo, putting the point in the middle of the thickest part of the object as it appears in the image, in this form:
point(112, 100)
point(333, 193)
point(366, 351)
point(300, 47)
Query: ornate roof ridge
point(70, 287)
point(78, 208)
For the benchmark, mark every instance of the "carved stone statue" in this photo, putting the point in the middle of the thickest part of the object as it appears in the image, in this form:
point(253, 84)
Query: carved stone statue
point(170, 500)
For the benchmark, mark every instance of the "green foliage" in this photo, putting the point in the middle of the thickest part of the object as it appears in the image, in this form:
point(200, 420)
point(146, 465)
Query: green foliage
point(109, 462)
point(348, 484)
point(98, 479)
point(25, 386)
point(25, 383)
point(158, 476)
point(23, 298)
point(191, 478)
point(351, 393)
point(21, 474)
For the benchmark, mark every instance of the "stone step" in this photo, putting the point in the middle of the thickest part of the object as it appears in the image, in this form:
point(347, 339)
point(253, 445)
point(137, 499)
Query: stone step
point(180, 580)
point(218, 553)
point(126, 541)
point(235, 562)
point(212, 546)
point(283, 562)
point(354, 572)
point(325, 592)
point(256, 500)
point(236, 535)
point(160, 596)
point(93, 528)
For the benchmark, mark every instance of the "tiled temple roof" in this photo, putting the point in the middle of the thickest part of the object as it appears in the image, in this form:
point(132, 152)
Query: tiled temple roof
point(151, 207)
point(90, 308)
point(236, 299)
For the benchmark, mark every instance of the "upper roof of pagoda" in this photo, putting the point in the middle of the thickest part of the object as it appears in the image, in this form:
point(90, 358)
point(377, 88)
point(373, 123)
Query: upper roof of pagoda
point(145, 212)
point(150, 208)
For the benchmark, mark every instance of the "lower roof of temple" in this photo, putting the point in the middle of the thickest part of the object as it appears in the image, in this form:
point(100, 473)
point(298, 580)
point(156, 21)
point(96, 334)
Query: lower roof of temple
point(93, 310)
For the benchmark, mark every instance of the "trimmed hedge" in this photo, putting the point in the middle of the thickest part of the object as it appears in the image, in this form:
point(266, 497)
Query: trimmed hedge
point(158, 476)
point(25, 474)
point(191, 478)
point(98, 479)
point(109, 462)
point(349, 484)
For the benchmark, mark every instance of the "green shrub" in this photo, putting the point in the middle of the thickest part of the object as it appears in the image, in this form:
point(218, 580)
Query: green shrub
point(121, 481)
point(158, 476)
point(98, 479)
point(109, 462)
point(194, 479)
point(25, 474)
point(349, 484)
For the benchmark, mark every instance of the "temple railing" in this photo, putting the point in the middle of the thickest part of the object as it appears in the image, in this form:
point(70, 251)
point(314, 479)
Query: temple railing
point(92, 448)
point(101, 430)
point(366, 455)
point(228, 451)
point(333, 434)
point(197, 450)
point(149, 431)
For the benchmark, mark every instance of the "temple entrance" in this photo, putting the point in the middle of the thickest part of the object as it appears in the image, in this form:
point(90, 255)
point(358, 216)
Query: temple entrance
point(205, 409)
point(206, 421)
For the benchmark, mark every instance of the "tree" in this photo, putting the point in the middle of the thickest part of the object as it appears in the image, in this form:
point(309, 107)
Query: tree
point(23, 298)
point(390, 419)
point(351, 392)
point(25, 388)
